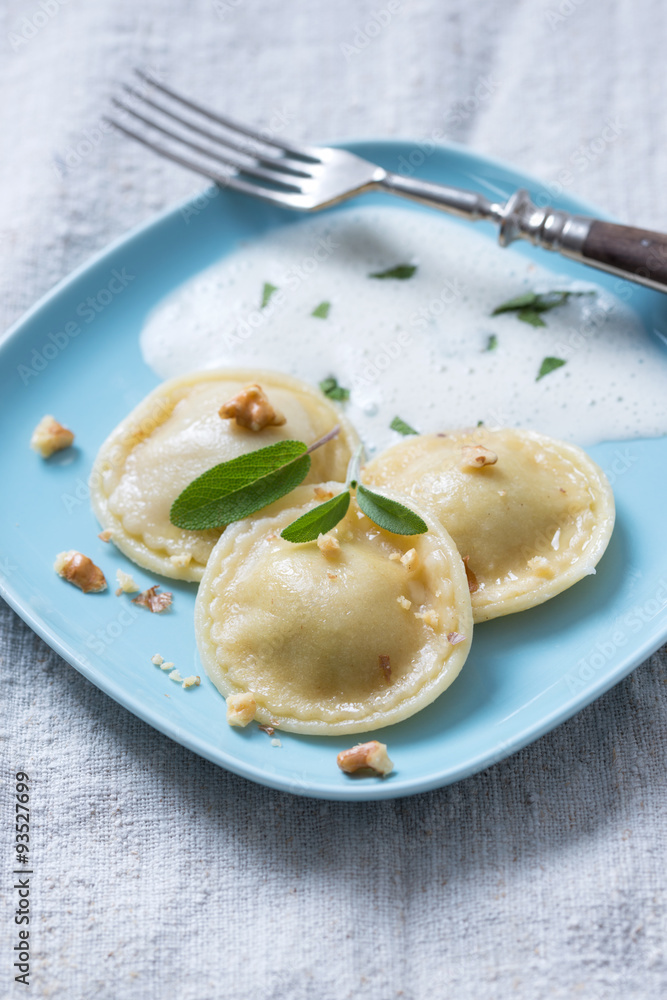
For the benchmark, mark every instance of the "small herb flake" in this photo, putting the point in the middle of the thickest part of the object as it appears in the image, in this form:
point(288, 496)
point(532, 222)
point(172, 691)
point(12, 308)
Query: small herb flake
point(491, 343)
point(529, 305)
point(549, 365)
point(267, 292)
point(332, 390)
point(322, 311)
point(402, 272)
point(400, 425)
point(531, 317)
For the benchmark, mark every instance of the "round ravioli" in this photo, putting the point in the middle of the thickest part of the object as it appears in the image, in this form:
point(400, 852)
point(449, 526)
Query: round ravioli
point(353, 632)
point(177, 433)
point(530, 515)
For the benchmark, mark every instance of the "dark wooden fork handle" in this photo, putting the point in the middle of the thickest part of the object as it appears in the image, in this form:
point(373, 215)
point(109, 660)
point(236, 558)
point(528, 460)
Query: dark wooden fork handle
point(627, 251)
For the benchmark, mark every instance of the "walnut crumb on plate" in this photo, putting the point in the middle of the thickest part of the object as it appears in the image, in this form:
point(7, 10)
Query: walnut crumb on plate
point(49, 436)
point(126, 584)
point(78, 569)
point(241, 708)
point(365, 756)
point(152, 600)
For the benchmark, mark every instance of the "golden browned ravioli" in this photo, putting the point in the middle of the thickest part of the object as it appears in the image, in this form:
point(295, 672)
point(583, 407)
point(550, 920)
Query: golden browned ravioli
point(356, 631)
point(530, 515)
point(177, 433)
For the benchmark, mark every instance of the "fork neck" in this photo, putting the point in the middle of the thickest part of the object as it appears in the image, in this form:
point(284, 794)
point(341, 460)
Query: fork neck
point(456, 201)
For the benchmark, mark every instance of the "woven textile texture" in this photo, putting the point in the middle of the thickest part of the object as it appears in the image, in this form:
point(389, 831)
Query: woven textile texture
point(162, 877)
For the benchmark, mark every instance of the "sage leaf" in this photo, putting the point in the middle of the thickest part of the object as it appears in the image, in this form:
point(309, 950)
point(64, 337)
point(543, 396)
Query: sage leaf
point(491, 343)
point(319, 520)
point(400, 425)
point(390, 514)
point(235, 489)
point(549, 365)
point(321, 311)
point(401, 271)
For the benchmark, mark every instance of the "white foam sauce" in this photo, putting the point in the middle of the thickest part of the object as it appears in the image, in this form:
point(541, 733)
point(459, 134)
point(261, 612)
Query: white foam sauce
point(416, 348)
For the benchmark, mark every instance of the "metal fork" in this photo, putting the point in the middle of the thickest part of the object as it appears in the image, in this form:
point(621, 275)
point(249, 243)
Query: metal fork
point(308, 178)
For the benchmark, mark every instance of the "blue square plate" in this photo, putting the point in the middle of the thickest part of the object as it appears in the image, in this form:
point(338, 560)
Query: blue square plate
point(76, 354)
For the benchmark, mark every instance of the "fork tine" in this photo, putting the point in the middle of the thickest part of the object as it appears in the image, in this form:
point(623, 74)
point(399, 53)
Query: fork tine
point(305, 152)
point(284, 198)
point(301, 151)
point(295, 167)
point(236, 163)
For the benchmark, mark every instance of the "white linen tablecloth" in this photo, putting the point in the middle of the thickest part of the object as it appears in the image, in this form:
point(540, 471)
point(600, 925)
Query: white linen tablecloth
point(161, 876)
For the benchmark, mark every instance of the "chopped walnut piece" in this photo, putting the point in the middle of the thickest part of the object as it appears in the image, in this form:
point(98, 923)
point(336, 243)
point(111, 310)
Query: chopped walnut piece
point(241, 708)
point(322, 494)
point(541, 567)
point(78, 569)
point(157, 660)
point(384, 662)
point(410, 560)
point(166, 665)
point(475, 456)
point(194, 680)
point(175, 676)
point(473, 584)
point(404, 602)
point(126, 584)
point(250, 408)
point(332, 576)
point(328, 546)
point(276, 743)
point(181, 561)
point(153, 601)
point(371, 755)
point(106, 535)
point(455, 637)
point(49, 436)
point(429, 617)
point(269, 730)
point(394, 556)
